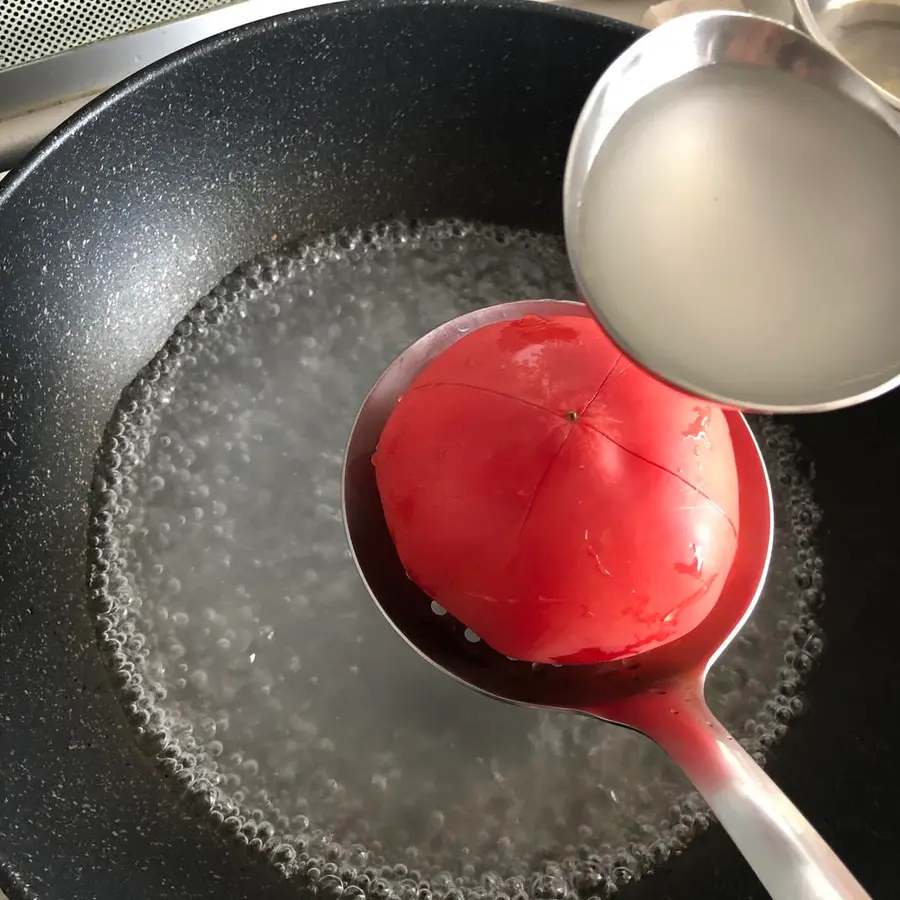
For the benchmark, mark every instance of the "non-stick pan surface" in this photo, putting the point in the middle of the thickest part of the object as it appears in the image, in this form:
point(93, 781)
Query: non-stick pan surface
point(122, 220)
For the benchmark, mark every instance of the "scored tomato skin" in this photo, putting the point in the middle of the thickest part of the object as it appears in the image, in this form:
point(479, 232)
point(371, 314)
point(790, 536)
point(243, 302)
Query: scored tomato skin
point(555, 498)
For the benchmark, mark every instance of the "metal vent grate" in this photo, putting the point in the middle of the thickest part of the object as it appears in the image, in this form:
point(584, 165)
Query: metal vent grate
point(34, 29)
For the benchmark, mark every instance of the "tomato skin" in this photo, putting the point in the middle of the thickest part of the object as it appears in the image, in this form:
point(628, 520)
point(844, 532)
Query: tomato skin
point(557, 499)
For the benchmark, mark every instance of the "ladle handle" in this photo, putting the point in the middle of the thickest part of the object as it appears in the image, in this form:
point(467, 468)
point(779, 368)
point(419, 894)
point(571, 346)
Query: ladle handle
point(788, 855)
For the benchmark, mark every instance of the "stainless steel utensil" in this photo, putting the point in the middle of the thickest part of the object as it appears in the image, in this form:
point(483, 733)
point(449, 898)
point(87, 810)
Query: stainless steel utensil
point(659, 693)
point(869, 350)
point(864, 33)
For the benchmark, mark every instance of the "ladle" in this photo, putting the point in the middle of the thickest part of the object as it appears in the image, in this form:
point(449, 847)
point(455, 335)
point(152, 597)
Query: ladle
point(850, 344)
point(659, 693)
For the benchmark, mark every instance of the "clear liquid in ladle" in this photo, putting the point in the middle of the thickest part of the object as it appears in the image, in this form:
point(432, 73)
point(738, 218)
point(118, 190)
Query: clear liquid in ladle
point(737, 215)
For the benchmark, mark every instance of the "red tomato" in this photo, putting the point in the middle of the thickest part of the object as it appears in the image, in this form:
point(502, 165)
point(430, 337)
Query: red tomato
point(555, 498)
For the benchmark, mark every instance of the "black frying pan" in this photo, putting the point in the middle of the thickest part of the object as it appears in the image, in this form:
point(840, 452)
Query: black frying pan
point(132, 211)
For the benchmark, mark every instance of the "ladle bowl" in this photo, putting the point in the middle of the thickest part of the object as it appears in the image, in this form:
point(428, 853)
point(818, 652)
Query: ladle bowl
point(658, 693)
point(849, 358)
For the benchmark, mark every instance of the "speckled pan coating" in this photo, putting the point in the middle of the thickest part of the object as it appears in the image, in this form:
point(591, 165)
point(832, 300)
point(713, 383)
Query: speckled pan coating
point(123, 219)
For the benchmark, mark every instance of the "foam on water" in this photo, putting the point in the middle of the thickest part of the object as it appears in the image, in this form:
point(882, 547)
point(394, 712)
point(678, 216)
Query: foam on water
point(259, 674)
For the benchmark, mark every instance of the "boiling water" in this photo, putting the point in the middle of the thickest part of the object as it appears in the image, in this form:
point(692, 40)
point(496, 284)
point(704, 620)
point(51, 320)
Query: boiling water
point(258, 672)
point(739, 221)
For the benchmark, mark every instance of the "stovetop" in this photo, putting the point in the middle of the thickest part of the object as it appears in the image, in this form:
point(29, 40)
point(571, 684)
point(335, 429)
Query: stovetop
point(39, 95)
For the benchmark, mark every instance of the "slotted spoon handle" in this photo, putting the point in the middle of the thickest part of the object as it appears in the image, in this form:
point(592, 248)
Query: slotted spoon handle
point(789, 856)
